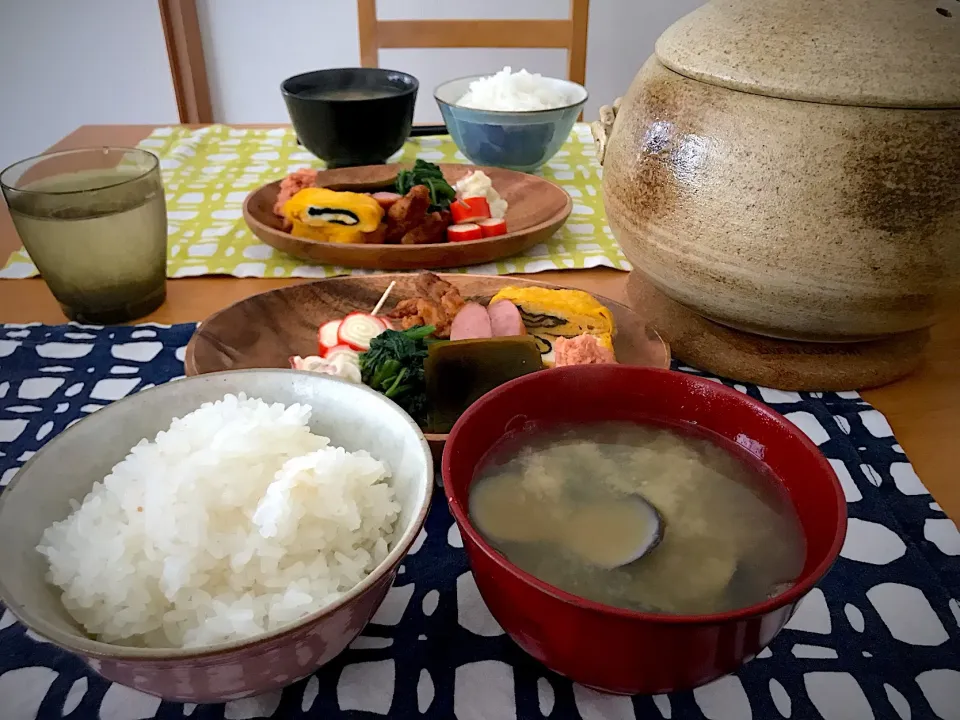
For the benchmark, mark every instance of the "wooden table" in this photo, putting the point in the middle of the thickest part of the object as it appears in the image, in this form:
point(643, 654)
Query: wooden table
point(924, 409)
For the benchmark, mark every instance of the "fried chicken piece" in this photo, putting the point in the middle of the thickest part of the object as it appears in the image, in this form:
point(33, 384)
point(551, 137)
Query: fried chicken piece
point(290, 186)
point(437, 303)
point(376, 237)
point(439, 290)
point(403, 309)
point(411, 321)
point(431, 230)
point(452, 303)
point(422, 311)
point(433, 314)
point(407, 213)
point(431, 285)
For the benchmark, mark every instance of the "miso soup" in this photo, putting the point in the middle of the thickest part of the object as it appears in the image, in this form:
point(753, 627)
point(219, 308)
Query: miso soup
point(356, 93)
point(553, 501)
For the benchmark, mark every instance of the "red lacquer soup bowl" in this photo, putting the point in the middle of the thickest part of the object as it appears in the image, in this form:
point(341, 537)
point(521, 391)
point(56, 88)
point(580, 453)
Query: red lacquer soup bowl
point(624, 651)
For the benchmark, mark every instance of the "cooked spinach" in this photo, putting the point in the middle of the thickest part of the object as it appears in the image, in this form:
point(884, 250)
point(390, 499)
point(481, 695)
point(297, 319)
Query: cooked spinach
point(394, 366)
point(428, 174)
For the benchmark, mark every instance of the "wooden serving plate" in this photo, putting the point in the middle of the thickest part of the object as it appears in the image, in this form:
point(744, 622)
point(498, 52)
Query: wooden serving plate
point(264, 330)
point(536, 210)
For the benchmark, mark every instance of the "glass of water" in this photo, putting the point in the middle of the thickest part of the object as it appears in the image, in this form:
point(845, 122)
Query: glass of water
point(94, 222)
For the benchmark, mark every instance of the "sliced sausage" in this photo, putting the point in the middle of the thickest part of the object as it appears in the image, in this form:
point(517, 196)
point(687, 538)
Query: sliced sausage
point(471, 322)
point(505, 319)
point(386, 199)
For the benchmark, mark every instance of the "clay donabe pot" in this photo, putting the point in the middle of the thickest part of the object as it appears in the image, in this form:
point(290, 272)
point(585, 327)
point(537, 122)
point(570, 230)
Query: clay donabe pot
point(791, 168)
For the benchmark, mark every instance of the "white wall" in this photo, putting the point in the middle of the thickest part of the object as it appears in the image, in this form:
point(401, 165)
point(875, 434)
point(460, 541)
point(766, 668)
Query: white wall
point(66, 63)
point(249, 52)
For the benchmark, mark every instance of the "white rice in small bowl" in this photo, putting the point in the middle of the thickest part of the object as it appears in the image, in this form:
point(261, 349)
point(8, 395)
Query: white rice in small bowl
point(521, 91)
point(233, 522)
point(236, 530)
point(510, 120)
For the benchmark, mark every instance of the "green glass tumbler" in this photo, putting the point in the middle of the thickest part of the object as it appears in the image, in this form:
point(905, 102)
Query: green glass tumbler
point(94, 222)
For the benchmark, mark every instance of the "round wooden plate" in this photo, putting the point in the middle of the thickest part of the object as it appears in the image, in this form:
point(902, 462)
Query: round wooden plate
point(266, 329)
point(536, 210)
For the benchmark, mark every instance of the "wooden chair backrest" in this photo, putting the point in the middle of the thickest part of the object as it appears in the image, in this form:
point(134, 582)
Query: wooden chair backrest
point(569, 34)
point(181, 29)
point(188, 70)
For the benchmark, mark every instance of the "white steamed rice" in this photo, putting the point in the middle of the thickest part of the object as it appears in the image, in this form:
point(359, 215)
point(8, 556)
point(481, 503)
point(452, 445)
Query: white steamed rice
point(234, 521)
point(514, 92)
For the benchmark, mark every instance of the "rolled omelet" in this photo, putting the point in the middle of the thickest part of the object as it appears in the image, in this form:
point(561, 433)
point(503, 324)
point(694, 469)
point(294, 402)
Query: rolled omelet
point(330, 216)
point(549, 314)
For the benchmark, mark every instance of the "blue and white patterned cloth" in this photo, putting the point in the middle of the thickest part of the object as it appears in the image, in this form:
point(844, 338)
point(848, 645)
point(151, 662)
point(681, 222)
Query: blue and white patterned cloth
point(878, 639)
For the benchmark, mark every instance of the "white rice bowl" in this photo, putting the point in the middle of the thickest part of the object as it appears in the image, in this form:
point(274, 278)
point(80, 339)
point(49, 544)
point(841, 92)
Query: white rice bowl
point(521, 91)
point(235, 521)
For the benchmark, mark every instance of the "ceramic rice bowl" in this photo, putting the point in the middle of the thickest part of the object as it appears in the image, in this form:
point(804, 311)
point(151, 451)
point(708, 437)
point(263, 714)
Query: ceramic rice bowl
point(352, 416)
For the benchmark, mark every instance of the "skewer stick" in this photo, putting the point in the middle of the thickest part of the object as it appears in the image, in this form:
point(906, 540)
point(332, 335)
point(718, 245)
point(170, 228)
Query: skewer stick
point(383, 298)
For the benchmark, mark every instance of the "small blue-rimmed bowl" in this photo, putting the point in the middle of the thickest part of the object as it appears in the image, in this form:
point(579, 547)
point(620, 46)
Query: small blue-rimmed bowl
point(521, 140)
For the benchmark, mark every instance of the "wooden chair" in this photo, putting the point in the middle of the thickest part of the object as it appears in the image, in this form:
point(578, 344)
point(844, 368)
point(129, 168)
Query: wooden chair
point(569, 34)
point(181, 29)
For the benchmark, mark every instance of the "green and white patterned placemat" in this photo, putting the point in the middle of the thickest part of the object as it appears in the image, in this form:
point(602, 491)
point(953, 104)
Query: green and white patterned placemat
point(208, 173)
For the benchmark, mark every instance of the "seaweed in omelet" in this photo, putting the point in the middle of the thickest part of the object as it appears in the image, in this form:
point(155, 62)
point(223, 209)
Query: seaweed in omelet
point(329, 216)
point(549, 314)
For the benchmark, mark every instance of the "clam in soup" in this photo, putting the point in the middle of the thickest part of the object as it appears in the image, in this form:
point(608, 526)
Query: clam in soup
point(640, 516)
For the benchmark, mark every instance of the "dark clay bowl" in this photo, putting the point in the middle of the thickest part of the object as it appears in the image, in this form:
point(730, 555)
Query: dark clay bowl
point(624, 651)
point(343, 129)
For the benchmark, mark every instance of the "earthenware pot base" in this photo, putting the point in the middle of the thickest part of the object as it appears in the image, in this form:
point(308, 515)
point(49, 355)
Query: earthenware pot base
point(781, 364)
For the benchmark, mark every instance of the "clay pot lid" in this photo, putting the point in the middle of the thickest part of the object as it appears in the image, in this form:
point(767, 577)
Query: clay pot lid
point(881, 53)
